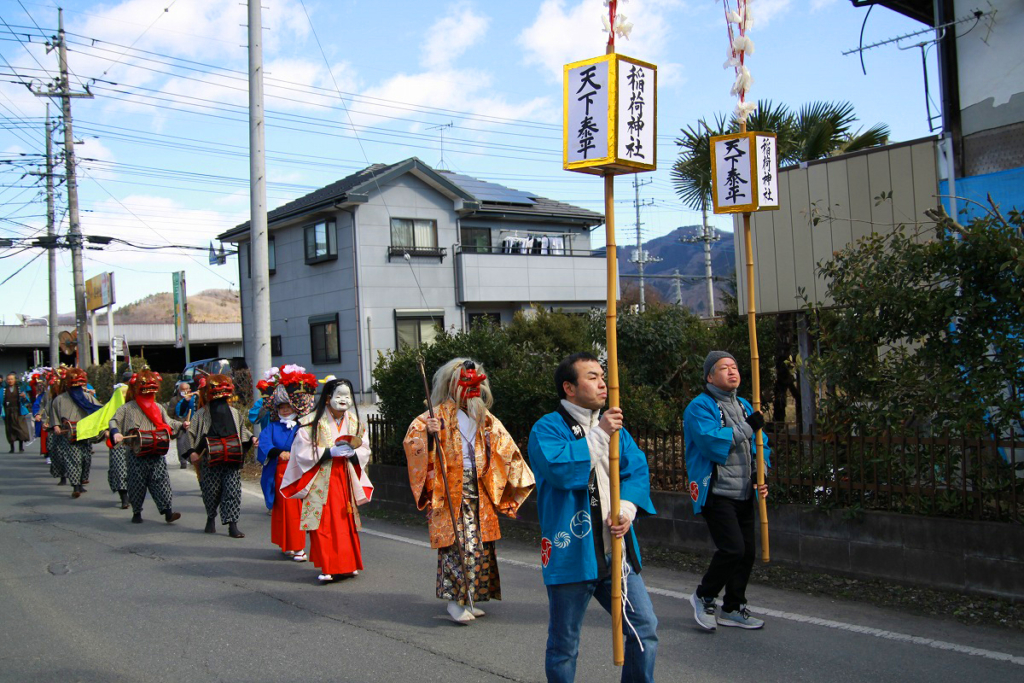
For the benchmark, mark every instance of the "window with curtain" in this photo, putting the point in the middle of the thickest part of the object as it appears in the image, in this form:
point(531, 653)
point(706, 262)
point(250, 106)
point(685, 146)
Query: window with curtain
point(414, 330)
point(414, 233)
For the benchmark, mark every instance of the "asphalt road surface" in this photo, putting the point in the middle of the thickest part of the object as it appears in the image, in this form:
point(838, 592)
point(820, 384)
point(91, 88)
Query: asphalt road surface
point(87, 596)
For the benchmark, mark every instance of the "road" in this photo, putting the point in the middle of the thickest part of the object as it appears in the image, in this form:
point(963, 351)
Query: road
point(87, 596)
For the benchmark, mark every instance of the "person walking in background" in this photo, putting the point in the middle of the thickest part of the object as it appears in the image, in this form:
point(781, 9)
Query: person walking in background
point(184, 405)
point(14, 409)
point(720, 460)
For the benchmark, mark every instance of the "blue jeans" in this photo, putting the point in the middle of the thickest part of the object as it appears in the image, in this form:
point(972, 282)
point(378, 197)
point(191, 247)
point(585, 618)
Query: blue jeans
point(567, 603)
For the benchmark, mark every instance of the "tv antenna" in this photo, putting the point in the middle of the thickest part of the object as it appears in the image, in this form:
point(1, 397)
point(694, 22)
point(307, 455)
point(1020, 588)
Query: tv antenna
point(939, 32)
point(441, 128)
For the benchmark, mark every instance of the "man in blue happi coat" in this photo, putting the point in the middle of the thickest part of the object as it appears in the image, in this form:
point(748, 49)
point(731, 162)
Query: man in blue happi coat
point(720, 461)
point(568, 451)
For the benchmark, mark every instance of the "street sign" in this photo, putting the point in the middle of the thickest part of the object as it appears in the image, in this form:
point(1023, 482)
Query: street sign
point(99, 291)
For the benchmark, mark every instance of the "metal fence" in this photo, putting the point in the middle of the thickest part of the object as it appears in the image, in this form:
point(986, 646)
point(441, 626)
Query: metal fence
point(944, 476)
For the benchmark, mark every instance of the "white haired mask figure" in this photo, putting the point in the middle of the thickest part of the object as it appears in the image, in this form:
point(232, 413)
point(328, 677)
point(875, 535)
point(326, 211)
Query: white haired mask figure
point(463, 380)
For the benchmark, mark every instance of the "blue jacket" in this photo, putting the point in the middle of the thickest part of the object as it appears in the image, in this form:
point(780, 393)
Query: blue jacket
point(183, 407)
point(707, 444)
point(561, 464)
point(274, 438)
point(254, 414)
point(22, 401)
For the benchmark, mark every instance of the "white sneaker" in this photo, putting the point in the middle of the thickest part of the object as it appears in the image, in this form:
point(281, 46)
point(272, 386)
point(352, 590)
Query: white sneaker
point(459, 614)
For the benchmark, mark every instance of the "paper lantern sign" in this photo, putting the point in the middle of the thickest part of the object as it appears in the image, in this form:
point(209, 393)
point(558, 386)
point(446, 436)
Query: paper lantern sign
point(745, 172)
point(610, 116)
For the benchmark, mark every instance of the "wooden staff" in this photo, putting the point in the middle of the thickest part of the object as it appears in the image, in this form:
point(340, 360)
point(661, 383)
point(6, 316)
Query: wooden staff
point(755, 376)
point(611, 343)
point(436, 439)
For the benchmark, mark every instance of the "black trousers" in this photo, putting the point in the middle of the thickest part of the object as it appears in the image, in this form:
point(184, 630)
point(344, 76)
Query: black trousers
point(731, 523)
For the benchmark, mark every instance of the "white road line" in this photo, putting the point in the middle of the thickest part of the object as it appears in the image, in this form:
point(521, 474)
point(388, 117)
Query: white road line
point(788, 616)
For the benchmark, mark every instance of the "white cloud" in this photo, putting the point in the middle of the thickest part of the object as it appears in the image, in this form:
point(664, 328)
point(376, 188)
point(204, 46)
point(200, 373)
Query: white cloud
point(565, 32)
point(452, 35)
point(822, 4)
point(764, 11)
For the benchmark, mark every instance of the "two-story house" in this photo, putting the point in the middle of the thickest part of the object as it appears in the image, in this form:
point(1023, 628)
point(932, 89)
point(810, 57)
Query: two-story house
point(380, 258)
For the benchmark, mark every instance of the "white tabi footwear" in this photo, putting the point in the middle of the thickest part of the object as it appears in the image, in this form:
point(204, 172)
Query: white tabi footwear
point(325, 579)
point(459, 614)
point(288, 553)
point(477, 612)
point(299, 556)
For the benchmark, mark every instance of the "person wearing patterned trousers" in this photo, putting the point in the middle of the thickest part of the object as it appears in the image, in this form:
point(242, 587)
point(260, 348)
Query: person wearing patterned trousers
point(149, 474)
point(222, 489)
point(66, 409)
point(219, 439)
point(117, 473)
point(55, 445)
point(147, 469)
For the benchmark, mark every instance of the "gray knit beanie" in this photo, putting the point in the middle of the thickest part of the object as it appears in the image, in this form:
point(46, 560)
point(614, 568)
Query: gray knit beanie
point(714, 357)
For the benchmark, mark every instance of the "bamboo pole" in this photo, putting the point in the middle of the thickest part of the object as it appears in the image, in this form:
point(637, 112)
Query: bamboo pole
point(611, 342)
point(755, 375)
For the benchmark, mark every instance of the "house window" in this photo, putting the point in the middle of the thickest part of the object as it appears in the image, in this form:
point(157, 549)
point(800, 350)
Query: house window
point(275, 345)
point(414, 234)
point(271, 256)
point(476, 240)
point(413, 328)
point(324, 341)
point(321, 241)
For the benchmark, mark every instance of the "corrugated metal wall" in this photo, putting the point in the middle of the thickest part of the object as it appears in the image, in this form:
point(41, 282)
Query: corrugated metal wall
point(787, 247)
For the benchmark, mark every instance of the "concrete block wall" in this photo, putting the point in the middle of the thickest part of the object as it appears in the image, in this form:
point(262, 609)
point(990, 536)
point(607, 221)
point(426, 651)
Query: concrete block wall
point(980, 558)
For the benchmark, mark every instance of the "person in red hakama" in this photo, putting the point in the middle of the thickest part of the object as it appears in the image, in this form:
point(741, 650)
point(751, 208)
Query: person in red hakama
point(327, 471)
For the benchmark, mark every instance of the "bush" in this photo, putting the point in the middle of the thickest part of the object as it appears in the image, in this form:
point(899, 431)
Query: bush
point(925, 331)
point(103, 380)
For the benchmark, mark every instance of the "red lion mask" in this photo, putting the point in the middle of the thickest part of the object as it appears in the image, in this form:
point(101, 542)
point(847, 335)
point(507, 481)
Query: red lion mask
point(217, 386)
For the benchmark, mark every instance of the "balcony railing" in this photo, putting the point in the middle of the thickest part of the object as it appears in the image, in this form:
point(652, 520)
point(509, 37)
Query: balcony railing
point(473, 249)
point(417, 252)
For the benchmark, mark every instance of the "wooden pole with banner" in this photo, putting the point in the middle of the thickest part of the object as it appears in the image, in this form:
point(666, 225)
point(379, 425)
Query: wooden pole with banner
point(609, 117)
point(744, 177)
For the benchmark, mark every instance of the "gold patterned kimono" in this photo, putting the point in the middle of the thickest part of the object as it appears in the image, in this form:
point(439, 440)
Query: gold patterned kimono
point(504, 480)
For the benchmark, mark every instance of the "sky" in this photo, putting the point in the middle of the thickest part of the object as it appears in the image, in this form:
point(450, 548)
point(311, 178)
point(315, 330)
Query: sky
point(163, 142)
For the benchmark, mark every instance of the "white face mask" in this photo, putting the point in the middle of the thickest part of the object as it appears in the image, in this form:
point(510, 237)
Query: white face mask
point(341, 399)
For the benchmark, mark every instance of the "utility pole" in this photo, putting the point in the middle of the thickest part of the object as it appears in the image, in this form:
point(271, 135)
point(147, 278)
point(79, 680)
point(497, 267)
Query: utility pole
point(707, 236)
point(640, 257)
point(51, 243)
point(259, 248)
point(63, 91)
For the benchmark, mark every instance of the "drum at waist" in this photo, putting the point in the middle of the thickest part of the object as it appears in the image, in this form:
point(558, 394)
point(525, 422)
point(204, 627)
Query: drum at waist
point(225, 450)
point(150, 442)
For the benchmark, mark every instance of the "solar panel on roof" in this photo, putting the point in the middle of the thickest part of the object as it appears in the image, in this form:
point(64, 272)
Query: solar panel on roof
point(490, 192)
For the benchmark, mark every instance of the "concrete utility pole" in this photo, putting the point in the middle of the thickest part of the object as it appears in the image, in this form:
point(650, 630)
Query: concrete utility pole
point(63, 91)
point(707, 236)
point(258, 247)
point(640, 257)
point(678, 286)
point(51, 234)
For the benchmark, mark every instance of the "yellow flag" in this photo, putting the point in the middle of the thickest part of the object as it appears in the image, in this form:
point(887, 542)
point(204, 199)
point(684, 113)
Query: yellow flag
point(89, 427)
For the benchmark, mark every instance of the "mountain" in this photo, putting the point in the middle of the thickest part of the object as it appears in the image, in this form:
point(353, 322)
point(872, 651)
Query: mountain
point(207, 306)
point(688, 258)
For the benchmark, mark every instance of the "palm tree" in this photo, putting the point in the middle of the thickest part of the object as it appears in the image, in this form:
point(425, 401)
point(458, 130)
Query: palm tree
point(817, 131)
